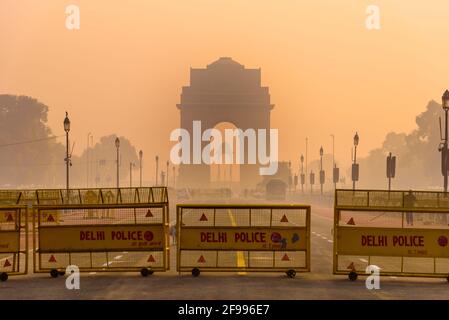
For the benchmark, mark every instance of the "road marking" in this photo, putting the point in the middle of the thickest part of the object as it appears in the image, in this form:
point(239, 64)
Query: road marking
point(92, 273)
point(118, 257)
point(363, 260)
point(240, 257)
point(393, 277)
point(330, 241)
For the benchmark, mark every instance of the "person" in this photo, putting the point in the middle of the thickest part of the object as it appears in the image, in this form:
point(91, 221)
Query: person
point(409, 202)
point(173, 233)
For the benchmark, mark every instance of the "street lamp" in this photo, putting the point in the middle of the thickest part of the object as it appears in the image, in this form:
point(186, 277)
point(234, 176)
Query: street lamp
point(303, 176)
point(157, 168)
point(355, 165)
point(168, 163)
point(131, 166)
point(140, 166)
point(87, 160)
point(444, 149)
point(117, 146)
point(67, 157)
point(321, 169)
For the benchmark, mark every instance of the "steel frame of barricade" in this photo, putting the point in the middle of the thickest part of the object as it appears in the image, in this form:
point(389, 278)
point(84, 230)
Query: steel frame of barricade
point(145, 237)
point(272, 249)
point(11, 241)
point(384, 201)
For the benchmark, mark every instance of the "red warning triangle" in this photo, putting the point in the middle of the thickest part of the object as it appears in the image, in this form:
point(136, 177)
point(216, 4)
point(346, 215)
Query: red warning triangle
point(50, 218)
point(284, 218)
point(203, 217)
point(201, 259)
point(52, 259)
point(149, 214)
point(351, 222)
point(285, 258)
point(9, 218)
point(7, 263)
point(151, 259)
point(351, 266)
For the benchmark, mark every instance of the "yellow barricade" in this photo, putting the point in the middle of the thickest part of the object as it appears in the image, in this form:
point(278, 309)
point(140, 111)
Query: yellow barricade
point(403, 233)
point(265, 238)
point(102, 230)
point(13, 241)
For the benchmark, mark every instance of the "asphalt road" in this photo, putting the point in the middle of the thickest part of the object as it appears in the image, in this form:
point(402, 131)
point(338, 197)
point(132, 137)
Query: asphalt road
point(318, 284)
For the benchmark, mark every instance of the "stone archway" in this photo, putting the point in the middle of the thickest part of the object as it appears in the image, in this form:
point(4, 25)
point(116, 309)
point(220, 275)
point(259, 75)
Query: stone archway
point(223, 92)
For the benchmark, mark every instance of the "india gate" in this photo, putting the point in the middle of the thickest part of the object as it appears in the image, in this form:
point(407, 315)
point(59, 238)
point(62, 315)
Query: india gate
point(224, 92)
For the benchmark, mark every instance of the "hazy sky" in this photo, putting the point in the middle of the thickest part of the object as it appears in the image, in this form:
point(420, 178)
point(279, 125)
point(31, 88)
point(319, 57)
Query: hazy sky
point(122, 72)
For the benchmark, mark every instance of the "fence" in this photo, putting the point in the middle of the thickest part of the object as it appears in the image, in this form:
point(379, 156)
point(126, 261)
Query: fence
point(101, 230)
point(403, 233)
point(264, 238)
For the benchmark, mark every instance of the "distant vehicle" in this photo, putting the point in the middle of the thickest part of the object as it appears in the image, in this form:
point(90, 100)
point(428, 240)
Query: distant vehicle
point(276, 189)
point(182, 194)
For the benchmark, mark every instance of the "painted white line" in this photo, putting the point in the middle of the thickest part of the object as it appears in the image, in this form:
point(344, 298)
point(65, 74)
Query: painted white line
point(118, 257)
point(363, 260)
point(393, 277)
point(330, 241)
point(92, 273)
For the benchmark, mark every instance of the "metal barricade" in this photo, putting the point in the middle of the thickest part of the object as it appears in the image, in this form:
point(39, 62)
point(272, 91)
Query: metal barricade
point(264, 238)
point(101, 230)
point(13, 241)
point(402, 233)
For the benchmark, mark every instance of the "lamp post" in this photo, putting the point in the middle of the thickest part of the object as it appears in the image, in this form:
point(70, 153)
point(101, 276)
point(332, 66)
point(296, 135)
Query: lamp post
point(131, 166)
point(303, 176)
point(355, 166)
point(157, 168)
point(321, 170)
point(87, 160)
point(307, 140)
point(140, 166)
point(67, 157)
point(444, 148)
point(168, 163)
point(117, 146)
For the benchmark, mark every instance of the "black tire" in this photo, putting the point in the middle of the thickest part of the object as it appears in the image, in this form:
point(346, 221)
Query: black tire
point(54, 273)
point(61, 273)
point(447, 278)
point(3, 276)
point(196, 272)
point(144, 272)
point(150, 271)
point(352, 276)
point(291, 273)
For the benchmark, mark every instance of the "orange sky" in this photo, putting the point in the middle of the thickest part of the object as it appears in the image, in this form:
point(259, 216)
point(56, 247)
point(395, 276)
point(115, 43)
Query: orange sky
point(122, 72)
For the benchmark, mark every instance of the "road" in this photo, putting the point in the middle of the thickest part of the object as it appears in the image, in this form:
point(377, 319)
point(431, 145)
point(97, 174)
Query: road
point(318, 284)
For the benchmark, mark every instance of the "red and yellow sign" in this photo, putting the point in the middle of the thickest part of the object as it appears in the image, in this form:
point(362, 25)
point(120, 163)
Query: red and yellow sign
point(100, 238)
point(232, 238)
point(393, 242)
point(9, 241)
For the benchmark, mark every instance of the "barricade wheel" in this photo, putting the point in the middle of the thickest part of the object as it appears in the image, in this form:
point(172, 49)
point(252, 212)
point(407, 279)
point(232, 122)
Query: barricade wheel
point(196, 272)
point(3, 276)
point(352, 276)
point(144, 272)
point(447, 278)
point(61, 273)
point(54, 273)
point(291, 273)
